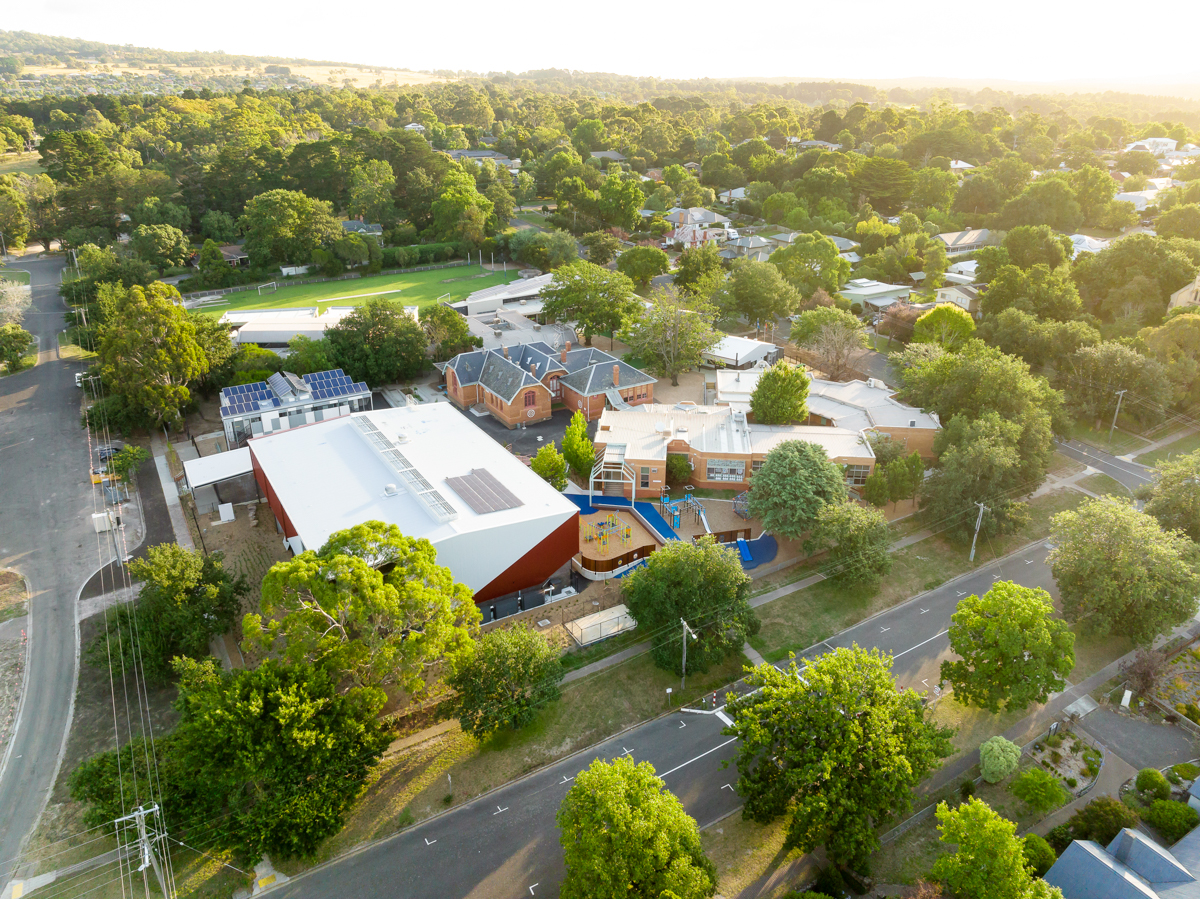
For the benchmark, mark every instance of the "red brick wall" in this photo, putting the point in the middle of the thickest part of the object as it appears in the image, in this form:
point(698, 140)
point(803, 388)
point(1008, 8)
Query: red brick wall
point(289, 529)
point(516, 412)
point(537, 565)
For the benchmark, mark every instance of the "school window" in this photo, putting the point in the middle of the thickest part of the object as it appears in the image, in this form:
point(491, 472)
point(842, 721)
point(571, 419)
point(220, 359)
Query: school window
point(856, 475)
point(726, 470)
point(756, 465)
point(530, 398)
point(645, 477)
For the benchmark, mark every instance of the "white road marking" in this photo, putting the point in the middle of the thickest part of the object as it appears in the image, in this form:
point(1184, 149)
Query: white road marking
point(499, 810)
point(884, 630)
point(925, 682)
point(1029, 561)
point(429, 842)
point(724, 719)
point(700, 756)
point(962, 592)
point(627, 751)
point(565, 780)
point(923, 611)
point(728, 787)
point(531, 889)
point(682, 725)
point(919, 645)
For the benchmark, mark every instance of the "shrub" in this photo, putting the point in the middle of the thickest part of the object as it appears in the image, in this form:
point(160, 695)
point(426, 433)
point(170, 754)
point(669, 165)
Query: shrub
point(1172, 819)
point(1054, 741)
point(1152, 784)
point(1038, 854)
point(1100, 820)
point(1059, 837)
point(1038, 789)
point(1072, 782)
point(829, 881)
point(679, 470)
point(998, 758)
point(1055, 756)
point(1174, 778)
point(966, 789)
point(1076, 748)
point(1187, 771)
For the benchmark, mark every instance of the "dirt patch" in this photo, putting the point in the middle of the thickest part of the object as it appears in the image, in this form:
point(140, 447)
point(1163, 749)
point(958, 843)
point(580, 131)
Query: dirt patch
point(12, 595)
point(251, 545)
point(12, 677)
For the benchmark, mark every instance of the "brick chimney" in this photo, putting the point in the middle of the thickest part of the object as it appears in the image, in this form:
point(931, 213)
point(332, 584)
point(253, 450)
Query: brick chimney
point(505, 352)
point(616, 376)
point(533, 369)
point(568, 349)
point(562, 356)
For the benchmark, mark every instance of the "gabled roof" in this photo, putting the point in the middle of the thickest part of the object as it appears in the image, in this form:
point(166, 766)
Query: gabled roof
point(1133, 866)
point(586, 370)
point(608, 154)
point(598, 378)
point(955, 239)
point(505, 378)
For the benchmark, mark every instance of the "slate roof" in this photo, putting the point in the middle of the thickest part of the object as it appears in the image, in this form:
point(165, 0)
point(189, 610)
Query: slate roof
point(588, 371)
point(1133, 866)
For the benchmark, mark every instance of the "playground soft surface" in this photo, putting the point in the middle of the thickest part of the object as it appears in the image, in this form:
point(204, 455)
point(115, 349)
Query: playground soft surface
point(411, 289)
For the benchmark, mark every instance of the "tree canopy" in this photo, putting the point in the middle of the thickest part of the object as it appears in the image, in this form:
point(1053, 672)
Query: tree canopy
point(781, 395)
point(795, 481)
point(597, 299)
point(512, 674)
point(671, 333)
point(378, 343)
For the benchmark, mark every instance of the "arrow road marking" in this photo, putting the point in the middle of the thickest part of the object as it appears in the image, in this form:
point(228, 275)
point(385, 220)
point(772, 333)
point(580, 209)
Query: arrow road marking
point(728, 787)
point(429, 842)
point(531, 889)
point(884, 630)
point(923, 611)
point(563, 781)
point(962, 592)
point(1029, 561)
point(627, 751)
point(499, 810)
point(925, 682)
point(682, 725)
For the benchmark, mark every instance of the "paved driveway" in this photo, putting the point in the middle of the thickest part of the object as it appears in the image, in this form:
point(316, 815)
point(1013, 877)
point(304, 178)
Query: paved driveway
point(1142, 744)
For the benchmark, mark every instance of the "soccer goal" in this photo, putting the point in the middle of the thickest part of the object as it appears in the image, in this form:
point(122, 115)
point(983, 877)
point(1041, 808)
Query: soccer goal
point(269, 288)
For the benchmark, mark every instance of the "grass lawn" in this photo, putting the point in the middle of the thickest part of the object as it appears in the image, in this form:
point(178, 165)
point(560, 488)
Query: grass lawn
point(1122, 441)
point(1103, 485)
point(14, 274)
point(1064, 466)
point(530, 217)
point(745, 853)
point(879, 343)
point(29, 360)
point(1179, 447)
point(21, 163)
point(797, 621)
point(411, 289)
point(411, 783)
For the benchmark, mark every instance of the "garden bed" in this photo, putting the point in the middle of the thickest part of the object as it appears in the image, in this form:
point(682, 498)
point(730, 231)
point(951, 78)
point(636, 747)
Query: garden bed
point(1069, 758)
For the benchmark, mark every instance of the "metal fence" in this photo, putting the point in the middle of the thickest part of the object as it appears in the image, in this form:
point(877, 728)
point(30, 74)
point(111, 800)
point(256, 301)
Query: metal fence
point(199, 297)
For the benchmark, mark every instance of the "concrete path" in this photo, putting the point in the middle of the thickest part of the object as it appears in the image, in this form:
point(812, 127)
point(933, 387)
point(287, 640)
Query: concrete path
point(1155, 444)
point(171, 493)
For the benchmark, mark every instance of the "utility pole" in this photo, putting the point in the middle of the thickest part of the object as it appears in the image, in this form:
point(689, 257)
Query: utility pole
point(683, 681)
point(146, 841)
point(1120, 396)
point(978, 522)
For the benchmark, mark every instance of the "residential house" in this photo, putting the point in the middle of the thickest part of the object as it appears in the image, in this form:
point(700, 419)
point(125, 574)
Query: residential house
point(1084, 244)
point(1120, 177)
point(966, 241)
point(1139, 198)
point(960, 168)
point(693, 167)
point(415, 126)
point(1159, 146)
point(363, 229)
point(964, 296)
point(518, 384)
point(721, 446)
point(803, 144)
point(610, 155)
point(729, 197)
point(235, 255)
point(1132, 866)
point(513, 165)
point(286, 401)
point(963, 268)
point(696, 215)
point(751, 246)
point(1186, 296)
point(741, 352)
point(874, 295)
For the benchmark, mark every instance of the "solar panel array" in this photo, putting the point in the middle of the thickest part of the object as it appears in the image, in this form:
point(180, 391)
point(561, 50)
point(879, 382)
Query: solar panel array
point(336, 383)
point(246, 398)
point(414, 481)
point(483, 492)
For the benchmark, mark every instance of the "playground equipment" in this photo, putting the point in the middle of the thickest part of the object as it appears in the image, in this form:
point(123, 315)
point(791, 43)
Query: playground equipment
point(741, 505)
point(612, 527)
point(673, 509)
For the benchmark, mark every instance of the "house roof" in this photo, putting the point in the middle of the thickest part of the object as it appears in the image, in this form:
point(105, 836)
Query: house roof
point(735, 350)
point(608, 154)
point(586, 370)
point(1132, 866)
point(285, 390)
point(868, 289)
point(695, 215)
point(956, 239)
point(356, 227)
point(970, 291)
point(842, 243)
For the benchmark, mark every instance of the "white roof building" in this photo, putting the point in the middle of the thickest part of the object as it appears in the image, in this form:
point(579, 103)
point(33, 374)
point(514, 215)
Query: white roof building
point(1085, 244)
point(965, 241)
point(864, 405)
point(275, 327)
point(959, 167)
point(741, 352)
point(1156, 145)
point(874, 294)
point(433, 473)
point(520, 295)
point(695, 215)
point(1139, 198)
point(964, 268)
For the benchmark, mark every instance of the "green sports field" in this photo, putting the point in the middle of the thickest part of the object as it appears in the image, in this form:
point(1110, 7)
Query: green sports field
point(411, 289)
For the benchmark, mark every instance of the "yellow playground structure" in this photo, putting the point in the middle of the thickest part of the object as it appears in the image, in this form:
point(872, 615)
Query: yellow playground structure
point(611, 528)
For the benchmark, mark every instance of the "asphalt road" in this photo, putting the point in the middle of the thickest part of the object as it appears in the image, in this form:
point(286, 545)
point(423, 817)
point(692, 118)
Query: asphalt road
point(1130, 474)
point(506, 844)
point(45, 533)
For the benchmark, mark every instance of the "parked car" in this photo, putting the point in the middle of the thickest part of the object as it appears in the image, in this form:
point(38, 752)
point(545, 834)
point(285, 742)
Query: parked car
point(106, 452)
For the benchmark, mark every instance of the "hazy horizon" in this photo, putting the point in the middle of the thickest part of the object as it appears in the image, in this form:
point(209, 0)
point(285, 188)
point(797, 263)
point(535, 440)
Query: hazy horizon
point(1026, 44)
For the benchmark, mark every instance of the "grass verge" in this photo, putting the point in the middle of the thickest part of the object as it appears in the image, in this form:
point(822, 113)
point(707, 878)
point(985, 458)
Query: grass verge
point(1180, 447)
point(1103, 485)
point(797, 621)
point(14, 274)
point(21, 163)
point(1122, 441)
point(1064, 466)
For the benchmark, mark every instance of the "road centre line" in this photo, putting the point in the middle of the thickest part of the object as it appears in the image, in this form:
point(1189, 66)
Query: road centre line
point(700, 756)
point(919, 645)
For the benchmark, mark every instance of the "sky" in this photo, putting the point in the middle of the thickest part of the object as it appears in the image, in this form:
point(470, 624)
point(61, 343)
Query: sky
point(1015, 41)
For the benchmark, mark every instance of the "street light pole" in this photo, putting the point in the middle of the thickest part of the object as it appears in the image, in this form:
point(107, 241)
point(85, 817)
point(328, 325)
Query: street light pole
point(683, 681)
point(1120, 396)
point(978, 522)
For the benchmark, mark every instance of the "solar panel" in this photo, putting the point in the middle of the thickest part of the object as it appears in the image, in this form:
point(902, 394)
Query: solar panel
point(483, 493)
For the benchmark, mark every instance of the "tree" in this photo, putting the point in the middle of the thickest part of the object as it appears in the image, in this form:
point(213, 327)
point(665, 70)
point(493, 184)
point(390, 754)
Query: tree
point(1095, 374)
point(1153, 784)
point(625, 836)
point(1174, 820)
point(812, 262)
point(460, 211)
point(218, 226)
point(14, 343)
point(378, 343)
point(643, 263)
point(14, 215)
point(757, 292)
point(781, 395)
point(186, 599)
point(885, 183)
point(596, 299)
point(1182, 221)
point(857, 539)
point(1040, 291)
point(998, 758)
point(577, 448)
point(1119, 572)
point(127, 461)
point(1012, 652)
point(946, 324)
point(702, 583)
point(371, 188)
point(446, 330)
point(795, 481)
point(620, 198)
point(214, 270)
point(601, 246)
point(550, 466)
point(899, 480)
point(1038, 854)
point(284, 227)
point(669, 336)
point(872, 745)
point(377, 628)
point(933, 188)
point(307, 356)
point(989, 860)
point(833, 336)
point(1101, 820)
point(1030, 245)
point(503, 204)
point(512, 674)
point(875, 490)
point(160, 245)
point(699, 268)
point(1047, 201)
point(149, 353)
point(1175, 495)
point(1039, 789)
point(15, 299)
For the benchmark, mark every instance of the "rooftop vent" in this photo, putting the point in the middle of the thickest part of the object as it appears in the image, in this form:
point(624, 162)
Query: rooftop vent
point(391, 490)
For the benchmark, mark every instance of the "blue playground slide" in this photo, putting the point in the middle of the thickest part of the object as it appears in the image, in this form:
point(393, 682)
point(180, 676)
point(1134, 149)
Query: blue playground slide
point(744, 549)
point(704, 521)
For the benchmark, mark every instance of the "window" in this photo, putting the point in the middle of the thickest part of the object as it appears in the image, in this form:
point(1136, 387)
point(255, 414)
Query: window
point(756, 465)
point(856, 475)
point(530, 399)
point(726, 470)
point(645, 482)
